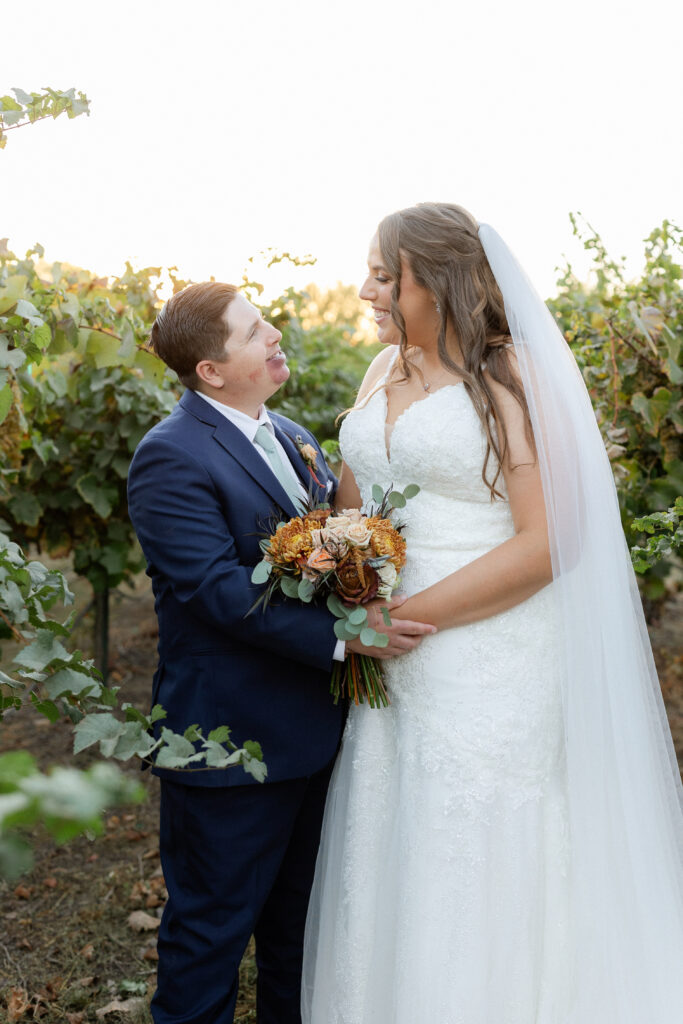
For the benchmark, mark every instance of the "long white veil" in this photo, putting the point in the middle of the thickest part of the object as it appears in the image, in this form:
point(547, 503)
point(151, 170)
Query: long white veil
point(624, 788)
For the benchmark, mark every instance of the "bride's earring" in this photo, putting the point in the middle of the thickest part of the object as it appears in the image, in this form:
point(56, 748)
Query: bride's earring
point(438, 306)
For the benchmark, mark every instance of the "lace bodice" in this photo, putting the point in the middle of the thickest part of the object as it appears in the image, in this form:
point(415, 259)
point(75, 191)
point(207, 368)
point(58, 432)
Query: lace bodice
point(437, 443)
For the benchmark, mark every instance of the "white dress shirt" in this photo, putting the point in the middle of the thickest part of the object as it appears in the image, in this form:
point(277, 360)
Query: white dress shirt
point(248, 425)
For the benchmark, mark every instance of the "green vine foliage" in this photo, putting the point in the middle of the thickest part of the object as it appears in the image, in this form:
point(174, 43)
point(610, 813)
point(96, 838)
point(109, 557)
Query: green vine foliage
point(61, 683)
point(83, 390)
point(28, 107)
point(627, 336)
point(664, 536)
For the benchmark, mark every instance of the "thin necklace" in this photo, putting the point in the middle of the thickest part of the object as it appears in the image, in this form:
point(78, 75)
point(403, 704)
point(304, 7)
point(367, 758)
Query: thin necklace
point(428, 385)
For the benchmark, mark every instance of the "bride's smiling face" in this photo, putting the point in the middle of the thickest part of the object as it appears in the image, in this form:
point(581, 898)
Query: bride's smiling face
point(415, 303)
point(377, 289)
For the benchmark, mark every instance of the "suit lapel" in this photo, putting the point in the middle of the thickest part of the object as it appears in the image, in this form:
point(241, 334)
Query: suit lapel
point(302, 470)
point(233, 441)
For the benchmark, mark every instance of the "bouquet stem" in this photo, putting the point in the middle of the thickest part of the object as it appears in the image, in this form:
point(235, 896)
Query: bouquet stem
point(360, 679)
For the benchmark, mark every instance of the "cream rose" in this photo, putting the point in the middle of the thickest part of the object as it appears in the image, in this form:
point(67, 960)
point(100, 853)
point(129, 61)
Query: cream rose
point(357, 535)
point(337, 525)
point(354, 514)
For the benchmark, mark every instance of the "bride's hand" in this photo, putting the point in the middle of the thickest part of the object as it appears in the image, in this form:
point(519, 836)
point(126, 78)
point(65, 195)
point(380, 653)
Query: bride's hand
point(404, 634)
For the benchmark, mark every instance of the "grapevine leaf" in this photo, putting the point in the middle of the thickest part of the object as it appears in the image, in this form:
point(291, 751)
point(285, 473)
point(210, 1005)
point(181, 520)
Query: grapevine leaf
point(25, 508)
point(44, 649)
point(91, 490)
point(100, 728)
point(46, 707)
point(219, 735)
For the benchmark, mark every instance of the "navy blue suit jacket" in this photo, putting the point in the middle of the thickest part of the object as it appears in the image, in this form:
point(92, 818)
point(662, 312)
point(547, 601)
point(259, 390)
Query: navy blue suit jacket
point(200, 498)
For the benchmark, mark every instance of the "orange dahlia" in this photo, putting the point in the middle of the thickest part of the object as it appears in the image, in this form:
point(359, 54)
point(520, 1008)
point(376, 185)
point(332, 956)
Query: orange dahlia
point(291, 543)
point(386, 540)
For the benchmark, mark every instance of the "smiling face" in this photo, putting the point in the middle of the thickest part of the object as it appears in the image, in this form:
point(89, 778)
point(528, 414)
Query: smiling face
point(377, 289)
point(416, 303)
point(255, 366)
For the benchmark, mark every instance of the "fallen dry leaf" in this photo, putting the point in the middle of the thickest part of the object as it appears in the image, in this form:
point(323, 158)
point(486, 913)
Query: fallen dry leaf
point(17, 1004)
point(139, 892)
point(51, 883)
point(139, 921)
point(76, 1018)
point(88, 951)
point(52, 989)
point(134, 1005)
point(85, 982)
point(151, 954)
point(23, 893)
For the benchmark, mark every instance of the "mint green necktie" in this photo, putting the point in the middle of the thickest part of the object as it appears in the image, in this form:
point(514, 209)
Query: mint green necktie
point(264, 439)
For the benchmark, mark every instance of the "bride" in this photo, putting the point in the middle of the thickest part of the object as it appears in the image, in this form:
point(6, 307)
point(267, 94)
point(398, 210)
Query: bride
point(503, 844)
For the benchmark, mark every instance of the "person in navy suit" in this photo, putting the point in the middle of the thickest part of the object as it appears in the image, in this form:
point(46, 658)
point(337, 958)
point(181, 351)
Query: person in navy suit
point(238, 857)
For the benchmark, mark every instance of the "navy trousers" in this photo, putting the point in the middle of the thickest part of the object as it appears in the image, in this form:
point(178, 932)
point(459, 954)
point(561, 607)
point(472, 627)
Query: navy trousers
point(237, 861)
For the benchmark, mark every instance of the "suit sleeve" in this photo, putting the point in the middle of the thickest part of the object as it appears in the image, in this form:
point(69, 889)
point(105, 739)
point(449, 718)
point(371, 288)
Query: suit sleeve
point(186, 539)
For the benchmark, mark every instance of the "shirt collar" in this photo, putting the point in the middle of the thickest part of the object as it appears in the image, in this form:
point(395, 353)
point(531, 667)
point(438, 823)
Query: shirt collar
point(247, 424)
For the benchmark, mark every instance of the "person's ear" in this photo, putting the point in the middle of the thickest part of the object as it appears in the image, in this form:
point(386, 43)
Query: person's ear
point(208, 373)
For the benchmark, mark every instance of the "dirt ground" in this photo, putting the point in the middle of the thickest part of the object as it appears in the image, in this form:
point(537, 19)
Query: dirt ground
point(69, 948)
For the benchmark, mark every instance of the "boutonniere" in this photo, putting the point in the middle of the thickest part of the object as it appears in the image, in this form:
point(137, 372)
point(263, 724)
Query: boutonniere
point(309, 455)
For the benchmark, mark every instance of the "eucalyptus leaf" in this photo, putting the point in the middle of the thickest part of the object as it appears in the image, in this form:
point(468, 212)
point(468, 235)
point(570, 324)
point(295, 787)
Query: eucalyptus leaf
point(357, 616)
point(289, 586)
point(306, 590)
point(396, 500)
point(341, 631)
point(261, 572)
point(337, 607)
point(368, 637)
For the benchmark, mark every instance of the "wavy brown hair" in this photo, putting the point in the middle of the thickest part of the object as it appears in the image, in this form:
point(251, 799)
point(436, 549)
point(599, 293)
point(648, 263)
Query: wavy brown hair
point(440, 241)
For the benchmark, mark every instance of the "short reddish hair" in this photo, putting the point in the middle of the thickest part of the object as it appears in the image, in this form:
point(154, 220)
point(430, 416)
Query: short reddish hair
point(191, 326)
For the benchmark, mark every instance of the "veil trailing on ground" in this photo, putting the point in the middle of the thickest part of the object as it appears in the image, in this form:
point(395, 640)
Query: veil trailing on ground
point(624, 790)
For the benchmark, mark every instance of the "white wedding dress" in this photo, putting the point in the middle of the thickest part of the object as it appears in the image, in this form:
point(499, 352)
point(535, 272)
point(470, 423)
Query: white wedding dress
point(441, 890)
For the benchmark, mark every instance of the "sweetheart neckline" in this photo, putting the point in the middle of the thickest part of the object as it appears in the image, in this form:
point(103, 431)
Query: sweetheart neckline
point(418, 401)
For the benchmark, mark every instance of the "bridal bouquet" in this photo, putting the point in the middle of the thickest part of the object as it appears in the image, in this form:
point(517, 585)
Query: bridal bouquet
point(347, 558)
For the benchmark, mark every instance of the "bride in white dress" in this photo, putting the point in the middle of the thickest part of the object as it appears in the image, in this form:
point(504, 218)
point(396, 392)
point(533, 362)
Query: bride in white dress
point(468, 872)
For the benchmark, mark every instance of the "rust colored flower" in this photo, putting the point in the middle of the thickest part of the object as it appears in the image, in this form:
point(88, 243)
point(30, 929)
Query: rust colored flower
point(321, 560)
point(317, 518)
point(386, 540)
point(291, 543)
point(357, 582)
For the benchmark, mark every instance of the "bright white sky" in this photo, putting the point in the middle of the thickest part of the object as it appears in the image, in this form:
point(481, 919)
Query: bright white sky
point(221, 128)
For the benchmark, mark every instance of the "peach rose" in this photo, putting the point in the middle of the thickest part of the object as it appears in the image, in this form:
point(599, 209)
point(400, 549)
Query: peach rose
point(321, 560)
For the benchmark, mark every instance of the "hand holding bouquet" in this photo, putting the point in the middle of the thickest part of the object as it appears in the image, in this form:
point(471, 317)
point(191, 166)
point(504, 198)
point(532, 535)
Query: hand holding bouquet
point(349, 559)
